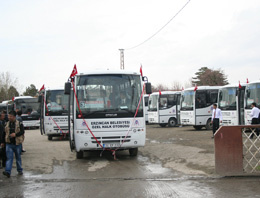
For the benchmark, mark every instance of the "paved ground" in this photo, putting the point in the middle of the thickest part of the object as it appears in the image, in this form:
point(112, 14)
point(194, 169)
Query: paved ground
point(176, 162)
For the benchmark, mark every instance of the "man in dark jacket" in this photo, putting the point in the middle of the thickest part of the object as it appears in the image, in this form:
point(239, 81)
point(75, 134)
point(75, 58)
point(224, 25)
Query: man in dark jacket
point(2, 150)
point(13, 137)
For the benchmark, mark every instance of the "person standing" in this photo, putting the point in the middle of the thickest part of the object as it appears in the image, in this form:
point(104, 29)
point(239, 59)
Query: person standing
point(255, 115)
point(2, 128)
point(20, 119)
point(13, 137)
point(216, 118)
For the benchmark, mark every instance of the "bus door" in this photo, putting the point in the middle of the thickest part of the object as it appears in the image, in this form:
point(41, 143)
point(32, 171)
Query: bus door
point(241, 109)
point(178, 109)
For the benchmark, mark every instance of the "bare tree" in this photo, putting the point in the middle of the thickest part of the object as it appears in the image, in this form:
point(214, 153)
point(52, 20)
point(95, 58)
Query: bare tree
point(8, 85)
point(160, 87)
point(176, 86)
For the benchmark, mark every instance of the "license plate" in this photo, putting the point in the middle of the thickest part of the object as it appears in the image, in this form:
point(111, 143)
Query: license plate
point(111, 145)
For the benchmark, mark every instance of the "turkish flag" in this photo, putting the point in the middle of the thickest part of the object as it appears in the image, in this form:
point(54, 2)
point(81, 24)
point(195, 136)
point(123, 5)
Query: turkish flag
point(160, 93)
point(13, 98)
point(239, 85)
point(74, 71)
point(141, 70)
point(42, 88)
point(196, 87)
point(247, 80)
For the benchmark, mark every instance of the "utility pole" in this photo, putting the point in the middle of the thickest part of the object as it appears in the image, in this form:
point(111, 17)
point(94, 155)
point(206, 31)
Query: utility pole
point(122, 62)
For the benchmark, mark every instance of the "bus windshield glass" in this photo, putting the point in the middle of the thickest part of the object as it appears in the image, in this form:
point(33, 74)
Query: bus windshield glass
point(187, 100)
point(152, 106)
point(29, 106)
point(57, 103)
point(253, 95)
point(227, 98)
point(109, 95)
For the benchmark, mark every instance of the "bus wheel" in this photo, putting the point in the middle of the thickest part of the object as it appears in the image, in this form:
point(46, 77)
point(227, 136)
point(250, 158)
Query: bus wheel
point(209, 125)
point(162, 125)
point(79, 155)
point(133, 151)
point(197, 127)
point(172, 122)
point(49, 137)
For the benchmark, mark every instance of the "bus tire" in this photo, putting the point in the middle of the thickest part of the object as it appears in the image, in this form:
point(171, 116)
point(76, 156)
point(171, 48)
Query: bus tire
point(79, 154)
point(197, 127)
point(172, 122)
point(49, 137)
point(133, 151)
point(209, 125)
point(162, 125)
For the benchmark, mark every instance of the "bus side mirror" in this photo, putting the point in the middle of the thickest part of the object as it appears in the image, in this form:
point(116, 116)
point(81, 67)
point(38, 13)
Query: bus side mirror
point(148, 88)
point(248, 93)
point(40, 98)
point(67, 88)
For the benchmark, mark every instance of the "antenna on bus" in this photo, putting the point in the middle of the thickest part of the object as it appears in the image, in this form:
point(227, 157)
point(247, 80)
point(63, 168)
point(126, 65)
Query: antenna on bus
point(122, 62)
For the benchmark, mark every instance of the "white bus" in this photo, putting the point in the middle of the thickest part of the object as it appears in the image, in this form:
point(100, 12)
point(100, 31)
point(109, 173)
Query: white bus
point(146, 99)
point(197, 106)
point(54, 113)
point(104, 110)
point(231, 103)
point(164, 109)
point(252, 94)
point(30, 108)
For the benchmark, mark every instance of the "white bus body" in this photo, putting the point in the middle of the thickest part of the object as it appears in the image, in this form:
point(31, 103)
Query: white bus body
point(231, 103)
point(196, 106)
point(252, 94)
point(30, 108)
point(54, 118)
point(164, 109)
point(108, 102)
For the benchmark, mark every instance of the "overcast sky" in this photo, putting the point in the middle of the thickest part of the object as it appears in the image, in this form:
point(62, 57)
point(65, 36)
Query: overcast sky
point(40, 41)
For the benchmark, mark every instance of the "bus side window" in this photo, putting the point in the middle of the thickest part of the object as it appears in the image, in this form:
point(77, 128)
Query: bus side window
point(201, 99)
point(212, 97)
point(172, 100)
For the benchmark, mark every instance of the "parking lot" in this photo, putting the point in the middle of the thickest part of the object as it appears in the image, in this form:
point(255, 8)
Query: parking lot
point(175, 162)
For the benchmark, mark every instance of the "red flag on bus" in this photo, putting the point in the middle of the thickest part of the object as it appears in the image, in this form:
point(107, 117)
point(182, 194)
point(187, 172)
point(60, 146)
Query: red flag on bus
point(239, 85)
point(13, 98)
point(196, 87)
point(42, 88)
point(141, 70)
point(74, 71)
point(160, 93)
point(247, 80)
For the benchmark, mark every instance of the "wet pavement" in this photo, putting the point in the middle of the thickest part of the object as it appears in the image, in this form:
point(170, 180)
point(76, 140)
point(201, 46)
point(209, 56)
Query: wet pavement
point(95, 176)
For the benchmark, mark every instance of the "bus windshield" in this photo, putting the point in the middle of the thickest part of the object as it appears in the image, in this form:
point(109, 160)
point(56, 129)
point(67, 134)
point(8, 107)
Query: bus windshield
point(187, 100)
point(227, 98)
point(28, 106)
point(152, 106)
point(109, 95)
point(57, 103)
point(253, 95)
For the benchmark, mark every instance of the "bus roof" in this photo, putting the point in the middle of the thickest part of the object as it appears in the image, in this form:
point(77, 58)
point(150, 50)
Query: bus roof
point(54, 89)
point(233, 85)
point(22, 97)
point(108, 72)
point(258, 81)
point(166, 92)
point(203, 88)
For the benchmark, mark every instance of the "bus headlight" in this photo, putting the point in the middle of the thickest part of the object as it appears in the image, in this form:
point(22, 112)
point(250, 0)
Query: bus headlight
point(86, 144)
point(135, 142)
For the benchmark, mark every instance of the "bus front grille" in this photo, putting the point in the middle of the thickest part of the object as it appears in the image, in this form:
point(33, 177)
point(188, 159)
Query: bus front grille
point(112, 139)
